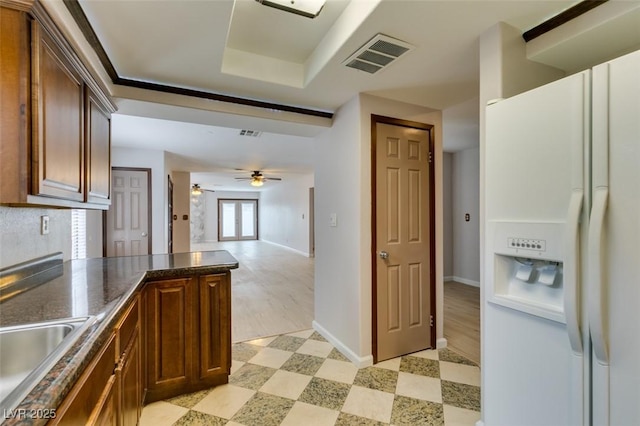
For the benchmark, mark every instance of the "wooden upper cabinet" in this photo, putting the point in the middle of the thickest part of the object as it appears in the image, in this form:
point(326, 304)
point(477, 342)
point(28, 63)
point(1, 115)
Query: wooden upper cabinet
point(15, 104)
point(56, 118)
point(58, 121)
point(98, 136)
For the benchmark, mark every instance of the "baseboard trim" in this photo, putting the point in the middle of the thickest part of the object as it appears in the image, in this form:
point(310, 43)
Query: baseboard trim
point(360, 362)
point(441, 343)
point(286, 247)
point(464, 281)
point(448, 278)
point(480, 423)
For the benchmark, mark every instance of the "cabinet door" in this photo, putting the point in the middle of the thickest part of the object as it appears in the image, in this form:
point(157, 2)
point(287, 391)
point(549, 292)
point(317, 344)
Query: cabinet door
point(93, 396)
point(215, 326)
point(131, 383)
point(98, 136)
point(169, 337)
point(14, 104)
point(58, 120)
point(106, 412)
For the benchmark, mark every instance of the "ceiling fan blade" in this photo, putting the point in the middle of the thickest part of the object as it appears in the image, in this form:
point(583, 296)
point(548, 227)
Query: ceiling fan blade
point(270, 178)
point(243, 178)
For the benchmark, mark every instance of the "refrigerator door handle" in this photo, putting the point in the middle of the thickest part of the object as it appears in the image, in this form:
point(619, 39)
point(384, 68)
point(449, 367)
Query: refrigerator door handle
point(572, 292)
point(596, 286)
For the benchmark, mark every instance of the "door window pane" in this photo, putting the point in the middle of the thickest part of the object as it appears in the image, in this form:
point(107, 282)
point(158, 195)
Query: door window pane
point(228, 220)
point(248, 219)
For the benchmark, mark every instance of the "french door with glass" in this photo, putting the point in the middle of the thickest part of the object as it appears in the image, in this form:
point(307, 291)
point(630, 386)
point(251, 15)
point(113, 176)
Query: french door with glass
point(237, 220)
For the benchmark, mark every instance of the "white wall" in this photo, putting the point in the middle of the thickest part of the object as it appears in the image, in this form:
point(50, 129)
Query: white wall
point(343, 277)
point(447, 216)
point(154, 160)
point(181, 208)
point(465, 199)
point(94, 233)
point(20, 238)
point(284, 212)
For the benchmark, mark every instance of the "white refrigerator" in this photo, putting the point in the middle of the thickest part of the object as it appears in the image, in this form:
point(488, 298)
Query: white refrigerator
point(561, 282)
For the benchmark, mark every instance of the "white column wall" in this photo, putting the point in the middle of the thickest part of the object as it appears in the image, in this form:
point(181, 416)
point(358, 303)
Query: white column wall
point(284, 212)
point(343, 290)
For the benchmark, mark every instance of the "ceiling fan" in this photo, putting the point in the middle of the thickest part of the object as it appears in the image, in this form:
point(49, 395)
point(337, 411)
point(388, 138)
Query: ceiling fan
point(257, 178)
point(196, 189)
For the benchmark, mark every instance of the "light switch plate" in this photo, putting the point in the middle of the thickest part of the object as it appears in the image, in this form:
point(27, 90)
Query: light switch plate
point(333, 219)
point(44, 225)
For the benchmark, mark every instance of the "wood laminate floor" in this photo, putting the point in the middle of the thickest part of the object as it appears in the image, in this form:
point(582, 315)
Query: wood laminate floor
point(462, 319)
point(271, 291)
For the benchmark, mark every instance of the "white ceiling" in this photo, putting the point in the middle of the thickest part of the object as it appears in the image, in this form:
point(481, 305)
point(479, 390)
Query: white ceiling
point(246, 49)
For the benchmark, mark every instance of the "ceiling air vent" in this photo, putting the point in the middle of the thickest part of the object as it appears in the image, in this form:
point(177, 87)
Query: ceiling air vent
point(250, 133)
point(377, 53)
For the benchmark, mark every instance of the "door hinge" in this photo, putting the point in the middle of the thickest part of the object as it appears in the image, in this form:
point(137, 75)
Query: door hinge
point(431, 320)
point(430, 156)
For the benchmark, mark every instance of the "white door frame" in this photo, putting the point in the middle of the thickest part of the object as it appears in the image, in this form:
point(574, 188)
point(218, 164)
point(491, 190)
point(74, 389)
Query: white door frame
point(238, 202)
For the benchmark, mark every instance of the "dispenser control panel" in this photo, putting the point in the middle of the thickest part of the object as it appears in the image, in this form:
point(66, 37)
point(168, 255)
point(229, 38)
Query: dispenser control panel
point(527, 244)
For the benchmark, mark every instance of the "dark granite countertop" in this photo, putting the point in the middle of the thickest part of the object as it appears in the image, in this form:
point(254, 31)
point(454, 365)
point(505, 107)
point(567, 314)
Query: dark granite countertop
point(99, 288)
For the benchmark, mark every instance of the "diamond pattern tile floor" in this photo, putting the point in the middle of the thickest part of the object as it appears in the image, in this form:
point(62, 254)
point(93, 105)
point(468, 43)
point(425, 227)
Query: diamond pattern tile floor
point(301, 379)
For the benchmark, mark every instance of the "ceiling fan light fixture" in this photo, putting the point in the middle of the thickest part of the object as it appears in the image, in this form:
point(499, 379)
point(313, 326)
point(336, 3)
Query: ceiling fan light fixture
point(195, 189)
point(306, 8)
point(256, 181)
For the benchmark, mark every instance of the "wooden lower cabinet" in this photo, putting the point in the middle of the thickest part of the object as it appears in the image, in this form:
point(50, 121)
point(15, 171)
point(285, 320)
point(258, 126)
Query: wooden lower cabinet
point(169, 337)
point(173, 338)
point(129, 370)
point(214, 327)
point(188, 331)
point(131, 384)
point(93, 399)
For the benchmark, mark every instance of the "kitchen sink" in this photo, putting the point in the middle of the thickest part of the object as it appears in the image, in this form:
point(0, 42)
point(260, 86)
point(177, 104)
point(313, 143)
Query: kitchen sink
point(28, 352)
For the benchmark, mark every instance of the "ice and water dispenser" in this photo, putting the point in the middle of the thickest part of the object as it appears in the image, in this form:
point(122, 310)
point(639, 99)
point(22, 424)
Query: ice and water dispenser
point(527, 267)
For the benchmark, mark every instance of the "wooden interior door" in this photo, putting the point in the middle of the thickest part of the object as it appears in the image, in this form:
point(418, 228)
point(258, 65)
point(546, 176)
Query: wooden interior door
point(128, 218)
point(404, 277)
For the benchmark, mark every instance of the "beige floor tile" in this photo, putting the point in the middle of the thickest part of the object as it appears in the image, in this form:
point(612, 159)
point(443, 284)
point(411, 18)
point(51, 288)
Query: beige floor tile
point(270, 357)
point(316, 348)
point(161, 413)
point(460, 373)
point(235, 365)
point(429, 354)
point(419, 387)
point(390, 364)
point(224, 401)
point(454, 416)
point(263, 341)
point(286, 384)
point(234, 424)
point(339, 371)
point(304, 333)
point(369, 403)
point(310, 415)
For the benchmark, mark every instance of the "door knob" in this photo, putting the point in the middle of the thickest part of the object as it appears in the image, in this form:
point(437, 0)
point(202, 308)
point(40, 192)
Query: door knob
point(383, 255)
point(144, 234)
